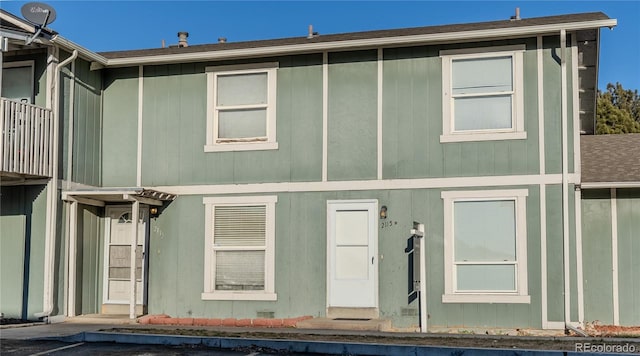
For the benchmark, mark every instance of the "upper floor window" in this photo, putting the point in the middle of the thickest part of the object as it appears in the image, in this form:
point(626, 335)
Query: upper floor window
point(241, 107)
point(482, 94)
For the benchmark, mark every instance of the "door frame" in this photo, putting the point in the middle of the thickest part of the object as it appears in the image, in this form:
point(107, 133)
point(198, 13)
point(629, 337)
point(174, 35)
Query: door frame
point(365, 204)
point(145, 254)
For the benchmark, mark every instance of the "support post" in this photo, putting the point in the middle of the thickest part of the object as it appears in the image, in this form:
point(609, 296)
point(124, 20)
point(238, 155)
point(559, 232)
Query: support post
point(135, 216)
point(73, 257)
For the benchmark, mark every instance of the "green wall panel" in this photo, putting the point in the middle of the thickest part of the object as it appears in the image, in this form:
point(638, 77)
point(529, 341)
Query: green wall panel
point(553, 105)
point(87, 125)
point(174, 128)
point(352, 116)
point(555, 241)
point(412, 121)
point(120, 127)
point(12, 238)
point(596, 254)
point(25, 204)
point(90, 260)
point(177, 259)
point(629, 255)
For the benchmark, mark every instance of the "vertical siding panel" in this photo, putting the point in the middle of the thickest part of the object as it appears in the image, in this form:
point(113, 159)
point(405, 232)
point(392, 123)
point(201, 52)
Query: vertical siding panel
point(391, 112)
point(628, 255)
point(119, 128)
point(304, 116)
point(554, 254)
point(352, 115)
point(552, 105)
point(596, 249)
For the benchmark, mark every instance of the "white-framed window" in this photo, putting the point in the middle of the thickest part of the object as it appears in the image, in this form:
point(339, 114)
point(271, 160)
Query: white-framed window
point(239, 257)
point(485, 246)
point(241, 107)
point(482, 94)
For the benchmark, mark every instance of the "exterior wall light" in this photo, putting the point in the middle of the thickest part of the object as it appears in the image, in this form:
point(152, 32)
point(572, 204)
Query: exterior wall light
point(383, 212)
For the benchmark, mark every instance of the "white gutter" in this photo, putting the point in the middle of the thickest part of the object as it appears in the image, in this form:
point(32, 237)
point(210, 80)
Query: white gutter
point(83, 52)
point(52, 198)
point(396, 41)
point(565, 178)
point(607, 185)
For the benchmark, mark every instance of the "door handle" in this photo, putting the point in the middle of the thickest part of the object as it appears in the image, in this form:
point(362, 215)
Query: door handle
point(372, 260)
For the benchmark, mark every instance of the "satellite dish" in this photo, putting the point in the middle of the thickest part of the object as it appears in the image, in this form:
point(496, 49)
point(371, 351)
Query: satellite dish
point(38, 13)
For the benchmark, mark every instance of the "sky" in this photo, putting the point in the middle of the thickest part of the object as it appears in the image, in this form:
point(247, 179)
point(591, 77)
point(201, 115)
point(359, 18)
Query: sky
point(123, 25)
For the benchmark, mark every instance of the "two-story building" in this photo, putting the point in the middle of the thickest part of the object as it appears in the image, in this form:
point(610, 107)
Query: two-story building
point(423, 177)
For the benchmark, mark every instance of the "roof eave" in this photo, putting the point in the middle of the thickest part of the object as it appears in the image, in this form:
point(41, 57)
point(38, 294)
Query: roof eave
point(608, 185)
point(394, 41)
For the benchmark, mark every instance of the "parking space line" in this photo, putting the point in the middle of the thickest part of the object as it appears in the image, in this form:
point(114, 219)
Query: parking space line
point(58, 349)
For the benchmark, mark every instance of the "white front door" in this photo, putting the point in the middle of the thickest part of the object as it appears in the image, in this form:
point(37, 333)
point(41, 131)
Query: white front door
point(352, 254)
point(117, 256)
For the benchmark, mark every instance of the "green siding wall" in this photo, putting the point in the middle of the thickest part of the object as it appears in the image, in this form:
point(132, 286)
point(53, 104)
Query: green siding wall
point(174, 128)
point(22, 220)
point(597, 255)
point(87, 125)
point(120, 127)
point(90, 260)
point(412, 121)
point(176, 258)
point(352, 115)
point(629, 255)
point(596, 250)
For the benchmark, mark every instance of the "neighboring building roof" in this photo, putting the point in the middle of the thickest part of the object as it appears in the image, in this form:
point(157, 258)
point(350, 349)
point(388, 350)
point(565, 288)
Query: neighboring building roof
point(370, 39)
point(610, 159)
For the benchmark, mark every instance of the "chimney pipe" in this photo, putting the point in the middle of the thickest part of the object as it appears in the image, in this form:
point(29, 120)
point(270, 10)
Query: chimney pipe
point(163, 44)
point(182, 39)
point(310, 35)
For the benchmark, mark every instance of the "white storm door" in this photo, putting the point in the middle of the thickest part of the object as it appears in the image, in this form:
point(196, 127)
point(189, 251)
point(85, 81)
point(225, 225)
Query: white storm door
point(352, 253)
point(117, 256)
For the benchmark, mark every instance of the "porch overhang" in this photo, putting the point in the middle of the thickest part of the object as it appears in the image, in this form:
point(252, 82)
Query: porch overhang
point(103, 196)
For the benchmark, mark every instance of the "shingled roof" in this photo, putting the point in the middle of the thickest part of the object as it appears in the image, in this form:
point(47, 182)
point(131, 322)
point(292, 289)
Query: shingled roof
point(493, 25)
point(610, 158)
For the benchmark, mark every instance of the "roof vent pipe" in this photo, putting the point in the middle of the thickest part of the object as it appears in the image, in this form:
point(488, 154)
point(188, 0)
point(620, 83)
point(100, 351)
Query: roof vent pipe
point(182, 39)
point(311, 34)
point(516, 17)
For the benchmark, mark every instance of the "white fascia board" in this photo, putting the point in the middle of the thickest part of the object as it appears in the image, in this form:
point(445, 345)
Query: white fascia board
point(607, 185)
point(83, 52)
point(362, 43)
point(17, 22)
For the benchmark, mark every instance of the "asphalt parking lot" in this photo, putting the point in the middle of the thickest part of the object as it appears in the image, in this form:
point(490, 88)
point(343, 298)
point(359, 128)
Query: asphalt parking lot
point(42, 347)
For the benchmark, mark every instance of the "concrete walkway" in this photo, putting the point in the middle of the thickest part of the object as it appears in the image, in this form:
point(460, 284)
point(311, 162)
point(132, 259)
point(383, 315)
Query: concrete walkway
point(88, 329)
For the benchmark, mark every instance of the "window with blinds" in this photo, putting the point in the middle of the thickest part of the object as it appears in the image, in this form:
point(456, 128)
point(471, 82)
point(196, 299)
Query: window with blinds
point(239, 258)
point(239, 243)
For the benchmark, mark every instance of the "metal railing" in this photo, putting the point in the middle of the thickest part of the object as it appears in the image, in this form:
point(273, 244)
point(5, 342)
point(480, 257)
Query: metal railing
point(27, 139)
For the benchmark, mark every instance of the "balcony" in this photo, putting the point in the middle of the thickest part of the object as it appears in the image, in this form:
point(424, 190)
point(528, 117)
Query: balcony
point(27, 141)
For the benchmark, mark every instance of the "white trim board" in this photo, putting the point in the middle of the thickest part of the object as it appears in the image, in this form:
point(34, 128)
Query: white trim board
point(614, 257)
point(359, 185)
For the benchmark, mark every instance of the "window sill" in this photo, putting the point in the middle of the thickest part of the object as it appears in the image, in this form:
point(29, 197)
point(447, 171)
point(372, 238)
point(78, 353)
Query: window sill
point(241, 146)
point(239, 296)
point(493, 136)
point(486, 298)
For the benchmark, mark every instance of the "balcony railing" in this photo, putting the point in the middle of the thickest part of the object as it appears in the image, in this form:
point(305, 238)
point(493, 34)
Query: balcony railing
point(27, 139)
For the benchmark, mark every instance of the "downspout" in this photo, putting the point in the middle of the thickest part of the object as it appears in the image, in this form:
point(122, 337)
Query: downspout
point(565, 179)
point(72, 94)
point(52, 194)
